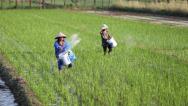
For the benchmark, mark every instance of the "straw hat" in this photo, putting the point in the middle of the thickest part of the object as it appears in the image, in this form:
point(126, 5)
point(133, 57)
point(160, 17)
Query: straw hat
point(60, 35)
point(104, 26)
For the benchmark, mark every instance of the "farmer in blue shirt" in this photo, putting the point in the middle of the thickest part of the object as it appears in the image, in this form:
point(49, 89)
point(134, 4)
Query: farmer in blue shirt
point(62, 46)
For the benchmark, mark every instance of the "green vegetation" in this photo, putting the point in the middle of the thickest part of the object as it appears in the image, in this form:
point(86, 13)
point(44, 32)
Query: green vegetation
point(149, 66)
point(162, 7)
point(56, 3)
point(169, 7)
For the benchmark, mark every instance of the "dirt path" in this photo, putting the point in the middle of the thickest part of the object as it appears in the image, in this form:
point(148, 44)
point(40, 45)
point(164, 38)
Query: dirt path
point(170, 20)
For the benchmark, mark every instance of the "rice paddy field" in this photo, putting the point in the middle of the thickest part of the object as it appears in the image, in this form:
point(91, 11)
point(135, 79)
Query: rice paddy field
point(149, 67)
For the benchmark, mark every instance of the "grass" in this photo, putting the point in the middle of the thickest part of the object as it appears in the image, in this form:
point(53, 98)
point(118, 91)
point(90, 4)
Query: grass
point(149, 66)
point(177, 8)
point(174, 8)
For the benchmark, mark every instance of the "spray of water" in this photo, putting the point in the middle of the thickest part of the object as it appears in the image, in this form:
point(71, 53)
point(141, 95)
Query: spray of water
point(75, 40)
point(130, 41)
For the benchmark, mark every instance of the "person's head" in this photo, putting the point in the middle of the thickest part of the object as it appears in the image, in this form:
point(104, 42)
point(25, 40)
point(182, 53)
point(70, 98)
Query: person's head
point(104, 27)
point(60, 37)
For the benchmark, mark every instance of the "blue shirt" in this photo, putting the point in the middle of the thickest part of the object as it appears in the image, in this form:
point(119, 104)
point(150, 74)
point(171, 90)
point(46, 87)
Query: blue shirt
point(61, 48)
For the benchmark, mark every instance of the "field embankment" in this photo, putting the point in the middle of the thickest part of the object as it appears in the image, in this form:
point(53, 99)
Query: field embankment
point(173, 8)
point(23, 95)
point(156, 19)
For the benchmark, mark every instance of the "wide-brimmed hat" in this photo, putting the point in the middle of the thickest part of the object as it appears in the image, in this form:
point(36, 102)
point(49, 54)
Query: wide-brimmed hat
point(104, 26)
point(60, 35)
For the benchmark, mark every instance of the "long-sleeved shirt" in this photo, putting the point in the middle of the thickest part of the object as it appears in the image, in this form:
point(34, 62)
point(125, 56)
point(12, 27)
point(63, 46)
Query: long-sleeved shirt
point(104, 36)
point(61, 48)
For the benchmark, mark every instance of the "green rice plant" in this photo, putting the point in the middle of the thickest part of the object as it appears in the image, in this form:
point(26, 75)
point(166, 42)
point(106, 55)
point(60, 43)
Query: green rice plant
point(148, 67)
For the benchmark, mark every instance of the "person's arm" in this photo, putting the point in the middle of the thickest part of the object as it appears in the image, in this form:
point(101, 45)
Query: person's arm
point(109, 37)
point(66, 46)
point(58, 49)
point(105, 35)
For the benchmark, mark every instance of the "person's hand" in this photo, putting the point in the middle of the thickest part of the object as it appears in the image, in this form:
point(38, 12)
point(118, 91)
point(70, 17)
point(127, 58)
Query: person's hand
point(109, 37)
point(60, 49)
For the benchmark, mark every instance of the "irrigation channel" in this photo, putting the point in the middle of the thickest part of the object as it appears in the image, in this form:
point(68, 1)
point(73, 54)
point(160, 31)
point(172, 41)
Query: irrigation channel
point(6, 96)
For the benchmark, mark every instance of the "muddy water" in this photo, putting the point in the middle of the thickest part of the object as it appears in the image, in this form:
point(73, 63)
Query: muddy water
point(6, 97)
